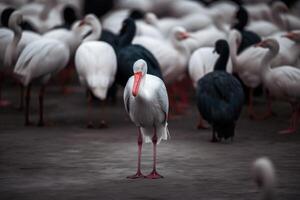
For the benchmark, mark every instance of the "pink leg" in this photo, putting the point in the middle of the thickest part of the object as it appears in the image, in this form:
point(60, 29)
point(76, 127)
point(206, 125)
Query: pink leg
point(293, 123)
point(154, 174)
point(90, 123)
point(27, 105)
point(140, 143)
point(251, 111)
point(3, 103)
point(21, 104)
point(41, 102)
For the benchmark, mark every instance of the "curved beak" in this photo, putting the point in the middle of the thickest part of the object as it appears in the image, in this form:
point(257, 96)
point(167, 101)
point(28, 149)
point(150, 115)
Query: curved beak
point(289, 35)
point(136, 83)
point(260, 44)
point(184, 35)
point(81, 22)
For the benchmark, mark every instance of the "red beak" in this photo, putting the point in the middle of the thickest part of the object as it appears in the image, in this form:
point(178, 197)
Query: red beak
point(260, 44)
point(290, 35)
point(184, 35)
point(136, 83)
point(81, 23)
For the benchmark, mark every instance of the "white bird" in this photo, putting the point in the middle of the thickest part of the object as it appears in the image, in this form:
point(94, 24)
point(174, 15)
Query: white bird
point(146, 102)
point(264, 176)
point(12, 42)
point(40, 60)
point(43, 17)
point(247, 65)
point(192, 22)
point(282, 83)
point(289, 52)
point(172, 54)
point(96, 65)
point(202, 62)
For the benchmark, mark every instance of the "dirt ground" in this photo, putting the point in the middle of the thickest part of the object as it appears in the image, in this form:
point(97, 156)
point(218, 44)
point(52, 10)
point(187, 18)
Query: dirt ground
point(65, 160)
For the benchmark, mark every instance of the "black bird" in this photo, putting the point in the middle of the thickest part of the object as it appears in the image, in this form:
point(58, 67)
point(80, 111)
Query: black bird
point(248, 37)
point(220, 96)
point(128, 54)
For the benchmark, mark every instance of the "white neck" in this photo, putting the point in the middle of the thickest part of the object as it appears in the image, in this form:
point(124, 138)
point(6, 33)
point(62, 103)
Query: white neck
point(233, 51)
point(96, 31)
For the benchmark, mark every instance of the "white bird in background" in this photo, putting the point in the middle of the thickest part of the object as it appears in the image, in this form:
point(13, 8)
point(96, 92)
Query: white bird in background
point(13, 41)
point(146, 102)
point(247, 65)
point(96, 65)
point(39, 61)
point(264, 176)
point(289, 52)
point(42, 16)
point(282, 83)
point(171, 55)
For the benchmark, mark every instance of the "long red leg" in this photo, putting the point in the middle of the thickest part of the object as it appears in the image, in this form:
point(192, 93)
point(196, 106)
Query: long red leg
point(41, 102)
point(154, 174)
point(27, 105)
point(3, 103)
point(293, 123)
point(140, 143)
point(103, 123)
point(251, 111)
point(89, 99)
point(21, 104)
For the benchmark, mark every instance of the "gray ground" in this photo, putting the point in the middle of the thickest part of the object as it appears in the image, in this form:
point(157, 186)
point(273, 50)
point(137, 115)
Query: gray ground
point(67, 161)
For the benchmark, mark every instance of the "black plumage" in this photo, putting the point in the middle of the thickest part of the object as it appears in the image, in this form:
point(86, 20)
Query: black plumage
point(5, 16)
point(248, 37)
point(220, 96)
point(128, 53)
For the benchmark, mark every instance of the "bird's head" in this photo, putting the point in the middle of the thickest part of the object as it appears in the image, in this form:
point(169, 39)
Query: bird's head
point(15, 19)
point(293, 35)
point(221, 46)
point(180, 33)
point(139, 70)
point(268, 44)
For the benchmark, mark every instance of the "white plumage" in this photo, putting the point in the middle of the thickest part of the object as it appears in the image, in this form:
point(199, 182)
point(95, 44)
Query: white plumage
point(149, 109)
point(96, 65)
point(202, 62)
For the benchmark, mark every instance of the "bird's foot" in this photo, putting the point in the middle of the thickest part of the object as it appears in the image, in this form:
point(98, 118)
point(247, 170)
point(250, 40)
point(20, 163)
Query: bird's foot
point(154, 175)
point(214, 140)
point(90, 125)
point(67, 90)
point(136, 176)
point(19, 108)
point(103, 124)
point(287, 131)
point(4, 103)
point(202, 125)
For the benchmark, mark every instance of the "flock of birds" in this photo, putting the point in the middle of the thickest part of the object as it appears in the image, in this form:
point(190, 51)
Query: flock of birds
point(150, 48)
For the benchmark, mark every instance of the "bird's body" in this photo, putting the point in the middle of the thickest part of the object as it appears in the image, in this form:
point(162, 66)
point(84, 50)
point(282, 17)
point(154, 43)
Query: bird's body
point(40, 60)
point(96, 66)
point(150, 108)
point(220, 101)
point(171, 55)
point(220, 96)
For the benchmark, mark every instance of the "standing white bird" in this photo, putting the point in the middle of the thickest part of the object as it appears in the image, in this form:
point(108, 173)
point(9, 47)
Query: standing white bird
point(282, 83)
point(146, 102)
point(96, 65)
point(39, 61)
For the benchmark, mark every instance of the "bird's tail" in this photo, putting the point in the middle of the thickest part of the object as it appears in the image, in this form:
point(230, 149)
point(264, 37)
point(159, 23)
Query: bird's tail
point(162, 133)
point(264, 176)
